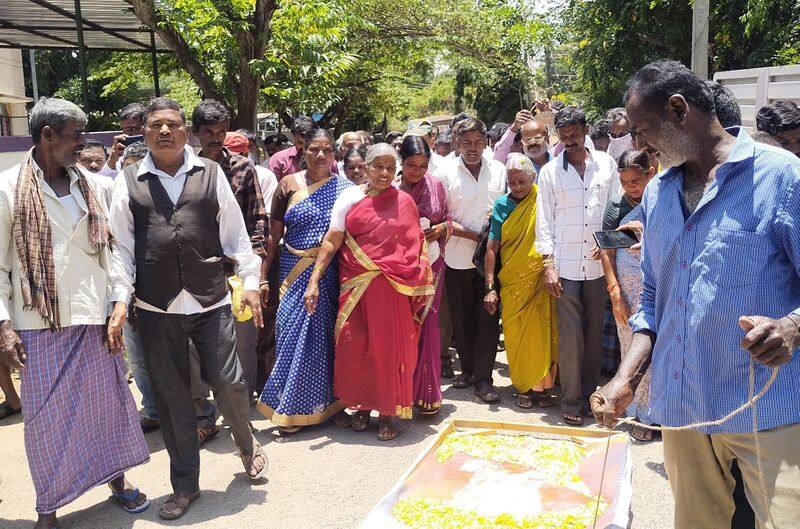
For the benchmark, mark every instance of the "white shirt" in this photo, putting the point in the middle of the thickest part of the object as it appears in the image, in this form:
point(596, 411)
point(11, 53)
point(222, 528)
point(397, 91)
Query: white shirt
point(344, 203)
point(435, 162)
point(70, 203)
point(268, 184)
point(569, 209)
point(470, 202)
point(232, 233)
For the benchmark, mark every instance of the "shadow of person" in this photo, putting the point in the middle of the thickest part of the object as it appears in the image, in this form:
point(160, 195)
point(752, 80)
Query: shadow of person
point(240, 493)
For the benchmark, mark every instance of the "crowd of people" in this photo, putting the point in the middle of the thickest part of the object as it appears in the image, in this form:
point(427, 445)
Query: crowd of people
point(330, 279)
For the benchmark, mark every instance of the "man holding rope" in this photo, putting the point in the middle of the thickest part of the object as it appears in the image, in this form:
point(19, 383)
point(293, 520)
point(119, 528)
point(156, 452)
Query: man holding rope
point(721, 266)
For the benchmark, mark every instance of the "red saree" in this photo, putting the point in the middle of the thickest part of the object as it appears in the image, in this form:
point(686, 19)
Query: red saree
point(385, 282)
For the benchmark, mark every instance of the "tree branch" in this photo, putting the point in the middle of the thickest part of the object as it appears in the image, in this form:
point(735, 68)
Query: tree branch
point(145, 11)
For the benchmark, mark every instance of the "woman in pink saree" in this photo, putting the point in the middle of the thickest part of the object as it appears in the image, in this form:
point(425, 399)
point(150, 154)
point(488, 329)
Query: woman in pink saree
point(386, 282)
point(431, 200)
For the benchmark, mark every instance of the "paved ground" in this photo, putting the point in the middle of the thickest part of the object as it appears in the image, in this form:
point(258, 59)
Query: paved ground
point(321, 478)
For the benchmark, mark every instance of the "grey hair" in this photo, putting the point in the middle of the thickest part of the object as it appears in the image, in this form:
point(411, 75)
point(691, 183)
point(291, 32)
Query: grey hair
point(135, 150)
point(55, 113)
point(520, 162)
point(380, 149)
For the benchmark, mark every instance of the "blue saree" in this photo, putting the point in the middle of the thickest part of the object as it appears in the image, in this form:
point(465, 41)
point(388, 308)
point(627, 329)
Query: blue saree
point(299, 391)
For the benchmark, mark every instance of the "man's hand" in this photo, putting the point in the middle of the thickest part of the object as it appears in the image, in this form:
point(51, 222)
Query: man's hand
point(11, 351)
point(609, 402)
point(117, 148)
point(490, 302)
point(769, 341)
point(263, 294)
point(114, 327)
point(251, 298)
point(636, 227)
point(552, 282)
point(435, 232)
point(542, 105)
point(522, 117)
point(311, 297)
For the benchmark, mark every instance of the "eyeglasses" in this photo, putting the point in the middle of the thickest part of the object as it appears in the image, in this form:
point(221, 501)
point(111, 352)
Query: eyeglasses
point(534, 139)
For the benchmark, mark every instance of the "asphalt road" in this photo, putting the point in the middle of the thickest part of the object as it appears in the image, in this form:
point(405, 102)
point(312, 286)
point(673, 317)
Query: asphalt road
point(323, 477)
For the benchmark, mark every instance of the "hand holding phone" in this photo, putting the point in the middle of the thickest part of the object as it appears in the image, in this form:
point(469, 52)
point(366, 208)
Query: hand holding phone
point(612, 239)
point(132, 139)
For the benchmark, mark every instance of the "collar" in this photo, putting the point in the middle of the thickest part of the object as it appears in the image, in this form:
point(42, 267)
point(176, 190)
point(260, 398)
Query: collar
point(565, 162)
point(744, 149)
point(190, 161)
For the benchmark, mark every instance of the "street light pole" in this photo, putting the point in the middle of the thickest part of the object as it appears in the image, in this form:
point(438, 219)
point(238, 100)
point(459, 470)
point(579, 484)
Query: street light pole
point(700, 38)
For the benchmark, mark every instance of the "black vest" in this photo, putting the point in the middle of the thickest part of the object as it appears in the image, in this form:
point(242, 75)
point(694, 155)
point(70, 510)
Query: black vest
point(177, 245)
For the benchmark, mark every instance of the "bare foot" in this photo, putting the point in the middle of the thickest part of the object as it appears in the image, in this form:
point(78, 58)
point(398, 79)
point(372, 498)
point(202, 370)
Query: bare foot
point(46, 521)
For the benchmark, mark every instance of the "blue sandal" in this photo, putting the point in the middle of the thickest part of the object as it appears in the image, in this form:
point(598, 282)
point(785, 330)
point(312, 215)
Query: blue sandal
point(123, 498)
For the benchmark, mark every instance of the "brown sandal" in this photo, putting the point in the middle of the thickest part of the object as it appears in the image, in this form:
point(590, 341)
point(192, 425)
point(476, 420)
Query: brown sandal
point(176, 506)
point(342, 419)
point(386, 431)
point(573, 419)
point(249, 465)
point(525, 401)
point(206, 434)
point(360, 421)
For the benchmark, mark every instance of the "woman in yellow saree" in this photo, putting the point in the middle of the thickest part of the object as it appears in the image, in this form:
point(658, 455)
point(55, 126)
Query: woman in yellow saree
point(528, 311)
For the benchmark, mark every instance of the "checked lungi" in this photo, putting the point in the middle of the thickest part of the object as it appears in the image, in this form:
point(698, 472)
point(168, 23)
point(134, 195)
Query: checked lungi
point(81, 424)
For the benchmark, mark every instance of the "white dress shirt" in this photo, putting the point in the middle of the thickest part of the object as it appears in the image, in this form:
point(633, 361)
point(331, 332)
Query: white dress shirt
point(232, 233)
point(569, 209)
point(470, 202)
point(268, 183)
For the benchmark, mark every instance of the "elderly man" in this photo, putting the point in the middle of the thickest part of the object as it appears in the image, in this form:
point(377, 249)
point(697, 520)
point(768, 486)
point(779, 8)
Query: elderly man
point(472, 182)
point(132, 125)
point(574, 190)
point(535, 142)
point(293, 159)
point(721, 303)
point(176, 218)
point(57, 273)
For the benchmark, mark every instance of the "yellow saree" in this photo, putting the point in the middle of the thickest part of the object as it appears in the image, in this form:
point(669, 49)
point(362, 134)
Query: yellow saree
point(528, 311)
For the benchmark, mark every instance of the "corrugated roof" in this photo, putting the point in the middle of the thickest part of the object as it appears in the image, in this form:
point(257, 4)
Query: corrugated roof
point(107, 25)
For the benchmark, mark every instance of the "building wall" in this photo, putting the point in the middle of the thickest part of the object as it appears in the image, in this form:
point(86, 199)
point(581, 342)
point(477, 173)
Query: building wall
point(12, 83)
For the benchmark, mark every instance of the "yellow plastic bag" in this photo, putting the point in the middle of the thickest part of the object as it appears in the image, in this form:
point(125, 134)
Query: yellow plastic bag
point(237, 289)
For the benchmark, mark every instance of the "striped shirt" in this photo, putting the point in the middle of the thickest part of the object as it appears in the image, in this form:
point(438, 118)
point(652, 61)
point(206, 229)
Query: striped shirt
point(737, 254)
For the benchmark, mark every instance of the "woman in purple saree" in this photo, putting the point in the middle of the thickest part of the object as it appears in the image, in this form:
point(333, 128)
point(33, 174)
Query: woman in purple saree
point(429, 195)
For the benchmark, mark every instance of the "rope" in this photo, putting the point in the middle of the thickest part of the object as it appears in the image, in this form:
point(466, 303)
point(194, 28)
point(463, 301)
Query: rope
point(751, 403)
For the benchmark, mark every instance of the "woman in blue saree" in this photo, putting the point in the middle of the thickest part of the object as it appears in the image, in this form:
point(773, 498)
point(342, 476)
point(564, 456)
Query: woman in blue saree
point(299, 391)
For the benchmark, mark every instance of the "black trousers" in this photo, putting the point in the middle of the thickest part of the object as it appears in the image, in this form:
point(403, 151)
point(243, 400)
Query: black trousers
point(476, 331)
point(165, 342)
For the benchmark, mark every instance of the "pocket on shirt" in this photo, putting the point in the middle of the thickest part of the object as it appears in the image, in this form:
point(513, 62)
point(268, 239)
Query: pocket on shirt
point(736, 258)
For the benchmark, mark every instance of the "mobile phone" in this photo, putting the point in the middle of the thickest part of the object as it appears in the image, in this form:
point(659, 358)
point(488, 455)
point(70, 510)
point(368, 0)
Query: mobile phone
point(611, 239)
point(132, 139)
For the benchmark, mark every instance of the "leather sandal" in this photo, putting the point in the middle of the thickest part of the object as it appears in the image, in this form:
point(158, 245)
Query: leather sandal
point(176, 506)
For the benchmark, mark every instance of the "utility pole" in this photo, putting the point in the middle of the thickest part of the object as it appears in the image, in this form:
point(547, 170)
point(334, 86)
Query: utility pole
point(700, 38)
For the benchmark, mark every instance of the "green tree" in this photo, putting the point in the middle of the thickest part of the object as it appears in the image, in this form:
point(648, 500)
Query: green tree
point(613, 38)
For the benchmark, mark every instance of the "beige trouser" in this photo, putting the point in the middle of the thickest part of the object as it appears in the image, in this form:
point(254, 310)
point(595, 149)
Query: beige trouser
point(698, 466)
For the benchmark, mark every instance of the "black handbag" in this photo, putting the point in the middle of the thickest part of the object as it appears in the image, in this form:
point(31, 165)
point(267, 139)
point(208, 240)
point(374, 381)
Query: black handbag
point(479, 257)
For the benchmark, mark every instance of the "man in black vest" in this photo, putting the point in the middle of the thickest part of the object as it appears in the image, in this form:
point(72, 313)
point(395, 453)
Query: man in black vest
point(175, 218)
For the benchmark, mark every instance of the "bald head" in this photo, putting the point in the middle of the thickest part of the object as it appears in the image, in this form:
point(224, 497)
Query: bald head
point(349, 140)
point(534, 138)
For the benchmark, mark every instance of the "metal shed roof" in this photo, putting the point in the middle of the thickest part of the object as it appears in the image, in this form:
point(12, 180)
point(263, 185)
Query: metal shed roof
point(108, 25)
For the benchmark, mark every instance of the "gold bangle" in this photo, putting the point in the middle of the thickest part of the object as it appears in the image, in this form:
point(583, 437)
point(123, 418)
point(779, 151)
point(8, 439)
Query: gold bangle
point(319, 268)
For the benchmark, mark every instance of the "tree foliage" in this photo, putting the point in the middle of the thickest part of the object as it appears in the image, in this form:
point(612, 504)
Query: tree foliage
point(610, 39)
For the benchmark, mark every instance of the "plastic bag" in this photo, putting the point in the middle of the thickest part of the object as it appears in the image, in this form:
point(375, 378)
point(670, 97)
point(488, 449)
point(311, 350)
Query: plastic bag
point(237, 289)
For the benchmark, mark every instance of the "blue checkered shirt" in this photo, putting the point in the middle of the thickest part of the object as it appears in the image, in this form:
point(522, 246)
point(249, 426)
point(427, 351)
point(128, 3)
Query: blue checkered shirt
point(737, 254)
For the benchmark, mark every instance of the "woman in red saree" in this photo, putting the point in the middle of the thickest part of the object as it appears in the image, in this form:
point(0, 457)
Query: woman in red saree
point(386, 280)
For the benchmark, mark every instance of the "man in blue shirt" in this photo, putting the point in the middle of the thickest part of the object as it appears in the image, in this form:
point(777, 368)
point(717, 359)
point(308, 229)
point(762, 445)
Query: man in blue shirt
point(721, 267)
